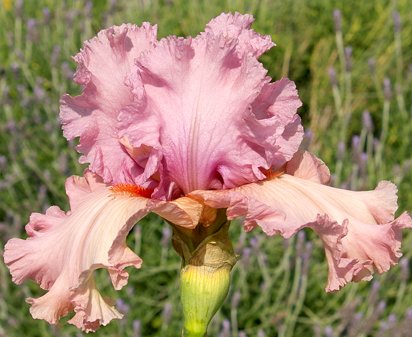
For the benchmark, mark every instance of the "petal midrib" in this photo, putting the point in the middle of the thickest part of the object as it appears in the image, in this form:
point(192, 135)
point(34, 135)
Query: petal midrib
point(193, 144)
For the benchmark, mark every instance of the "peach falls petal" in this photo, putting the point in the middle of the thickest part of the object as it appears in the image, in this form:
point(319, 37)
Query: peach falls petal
point(358, 229)
point(195, 131)
point(64, 248)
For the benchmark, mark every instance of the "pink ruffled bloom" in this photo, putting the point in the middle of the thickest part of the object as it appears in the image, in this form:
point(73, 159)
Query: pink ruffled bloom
point(182, 127)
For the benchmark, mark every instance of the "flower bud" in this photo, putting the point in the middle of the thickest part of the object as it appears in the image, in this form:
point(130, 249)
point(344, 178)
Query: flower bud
point(203, 290)
point(208, 258)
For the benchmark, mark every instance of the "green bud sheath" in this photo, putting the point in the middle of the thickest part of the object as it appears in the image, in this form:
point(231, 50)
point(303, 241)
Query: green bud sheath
point(203, 290)
point(208, 258)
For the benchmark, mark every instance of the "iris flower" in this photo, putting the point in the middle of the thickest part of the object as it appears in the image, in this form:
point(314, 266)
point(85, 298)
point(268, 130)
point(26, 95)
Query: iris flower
point(194, 130)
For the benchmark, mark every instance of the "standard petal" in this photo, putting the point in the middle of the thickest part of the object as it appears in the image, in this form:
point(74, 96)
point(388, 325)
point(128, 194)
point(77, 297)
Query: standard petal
point(192, 114)
point(358, 228)
point(63, 250)
point(237, 26)
point(103, 65)
point(273, 124)
point(210, 104)
point(200, 90)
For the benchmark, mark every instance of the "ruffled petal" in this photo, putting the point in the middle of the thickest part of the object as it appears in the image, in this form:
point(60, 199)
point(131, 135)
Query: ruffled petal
point(358, 229)
point(200, 90)
point(63, 250)
point(307, 166)
point(78, 188)
point(191, 114)
point(209, 105)
point(103, 65)
point(91, 309)
point(342, 269)
point(237, 26)
point(274, 125)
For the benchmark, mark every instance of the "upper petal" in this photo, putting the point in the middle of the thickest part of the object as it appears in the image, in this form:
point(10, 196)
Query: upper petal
point(103, 65)
point(273, 124)
point(237, 26)
point(63, 250)
point(192, 114)
point(218, 120)
point(200, 90)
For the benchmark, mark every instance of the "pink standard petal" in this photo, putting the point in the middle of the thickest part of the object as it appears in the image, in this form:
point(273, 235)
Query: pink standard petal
point(63, 250)
point(273, 124)
point(358, 229)
point(209, 103)
point(237, 26)
point(194, 114)
point(103, 65)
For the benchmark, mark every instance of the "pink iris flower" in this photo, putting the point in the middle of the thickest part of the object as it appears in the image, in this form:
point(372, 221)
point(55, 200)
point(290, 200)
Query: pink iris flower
point(182, 127)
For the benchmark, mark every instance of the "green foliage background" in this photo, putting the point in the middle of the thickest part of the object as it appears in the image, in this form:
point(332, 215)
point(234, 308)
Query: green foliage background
point(278, 286)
